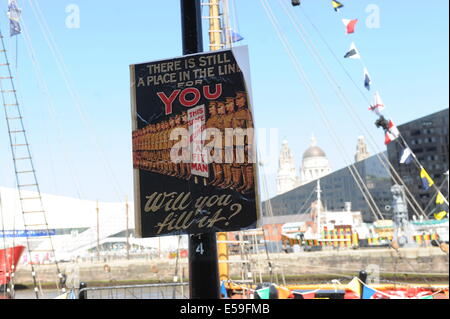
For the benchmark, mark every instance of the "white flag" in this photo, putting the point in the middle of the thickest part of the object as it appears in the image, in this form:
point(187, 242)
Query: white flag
point(378, 104)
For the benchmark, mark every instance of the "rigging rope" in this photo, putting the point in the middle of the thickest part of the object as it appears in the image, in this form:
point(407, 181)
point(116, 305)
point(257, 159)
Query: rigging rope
point(346, 102)
point(338, 90)
point(62, 67)
point(50, 106)
point(305, 80)
point(392, 170)
point(350, 108)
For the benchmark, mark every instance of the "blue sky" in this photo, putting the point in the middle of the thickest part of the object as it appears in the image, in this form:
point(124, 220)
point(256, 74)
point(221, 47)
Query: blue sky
point(407, 57)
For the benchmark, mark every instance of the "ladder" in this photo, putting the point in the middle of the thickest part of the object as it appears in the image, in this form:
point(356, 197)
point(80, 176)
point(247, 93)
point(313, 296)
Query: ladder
point(33, 213)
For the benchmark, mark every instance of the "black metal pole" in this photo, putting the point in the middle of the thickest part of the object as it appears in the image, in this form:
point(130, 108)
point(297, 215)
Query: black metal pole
point(363, 277)
point(203, 260)
point(191, 26)
point(82, 294)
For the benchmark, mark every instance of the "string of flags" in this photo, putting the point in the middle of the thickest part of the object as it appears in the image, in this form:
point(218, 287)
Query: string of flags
point(271, 292)
point(391, 131)
point(359, 288)
point(365, 292)
point(283, 293)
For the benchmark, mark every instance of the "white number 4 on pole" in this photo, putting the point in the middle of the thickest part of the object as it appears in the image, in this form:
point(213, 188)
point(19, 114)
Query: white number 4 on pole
point(200, 249)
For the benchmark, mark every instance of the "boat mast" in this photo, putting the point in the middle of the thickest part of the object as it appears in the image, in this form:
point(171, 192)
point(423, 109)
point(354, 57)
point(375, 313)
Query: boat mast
point(318, 223)
point(98, 231)
point(126, 232)
point(216, 43)
point(215, 28)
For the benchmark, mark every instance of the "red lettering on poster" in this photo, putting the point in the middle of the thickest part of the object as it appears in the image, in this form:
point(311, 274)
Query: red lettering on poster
point(168, 101)
point(207, 92)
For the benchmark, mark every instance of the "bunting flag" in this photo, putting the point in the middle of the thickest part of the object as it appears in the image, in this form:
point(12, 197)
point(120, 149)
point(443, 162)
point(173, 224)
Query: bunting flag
point(355, 286)
point(283, 292)
point(63, 296)
point(440, 199)
point(441, 208)
point(353, 52)
point(223, 290)
point(368, 292)
point(336, 5)
point(392, 133)
point(72, 295)
point(367, 80)
point(350, 25)
point(427, 182)
point(407, 156)
point(307, 295)
point(236, 37)
point(263, 293)
point(14, 18)
point(440, 215)
point(378, 104)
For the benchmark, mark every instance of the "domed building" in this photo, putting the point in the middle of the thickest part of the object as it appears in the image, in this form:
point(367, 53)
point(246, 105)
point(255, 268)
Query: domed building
point(315, 163)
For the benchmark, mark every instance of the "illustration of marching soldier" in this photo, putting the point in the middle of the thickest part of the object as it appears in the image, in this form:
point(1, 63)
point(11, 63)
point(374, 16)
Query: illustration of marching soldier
point(186, 164)
point(226, 116)
point(213, 123)
point(243, 125)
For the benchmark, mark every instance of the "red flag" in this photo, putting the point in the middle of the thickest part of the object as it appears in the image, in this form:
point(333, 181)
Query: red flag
point(391, 134)
point(350, 25)
point(307, 295)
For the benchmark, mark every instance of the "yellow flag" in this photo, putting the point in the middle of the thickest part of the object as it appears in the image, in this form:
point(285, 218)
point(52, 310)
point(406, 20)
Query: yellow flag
point(355, 286)
point(336, 5)
point(427, 182)
point(440, 198)
point(63, 296)
point(440, 215)
point(283, 293)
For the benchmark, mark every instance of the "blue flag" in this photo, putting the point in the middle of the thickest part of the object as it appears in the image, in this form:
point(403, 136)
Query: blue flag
point(14, 18)
point(367, 80)
point(236, 37)
point(223, 290)
point(406, 157)
point(368, 292)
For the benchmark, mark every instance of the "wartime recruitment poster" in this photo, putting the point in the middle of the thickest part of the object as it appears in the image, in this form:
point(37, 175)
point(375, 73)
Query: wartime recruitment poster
point(193, 145)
